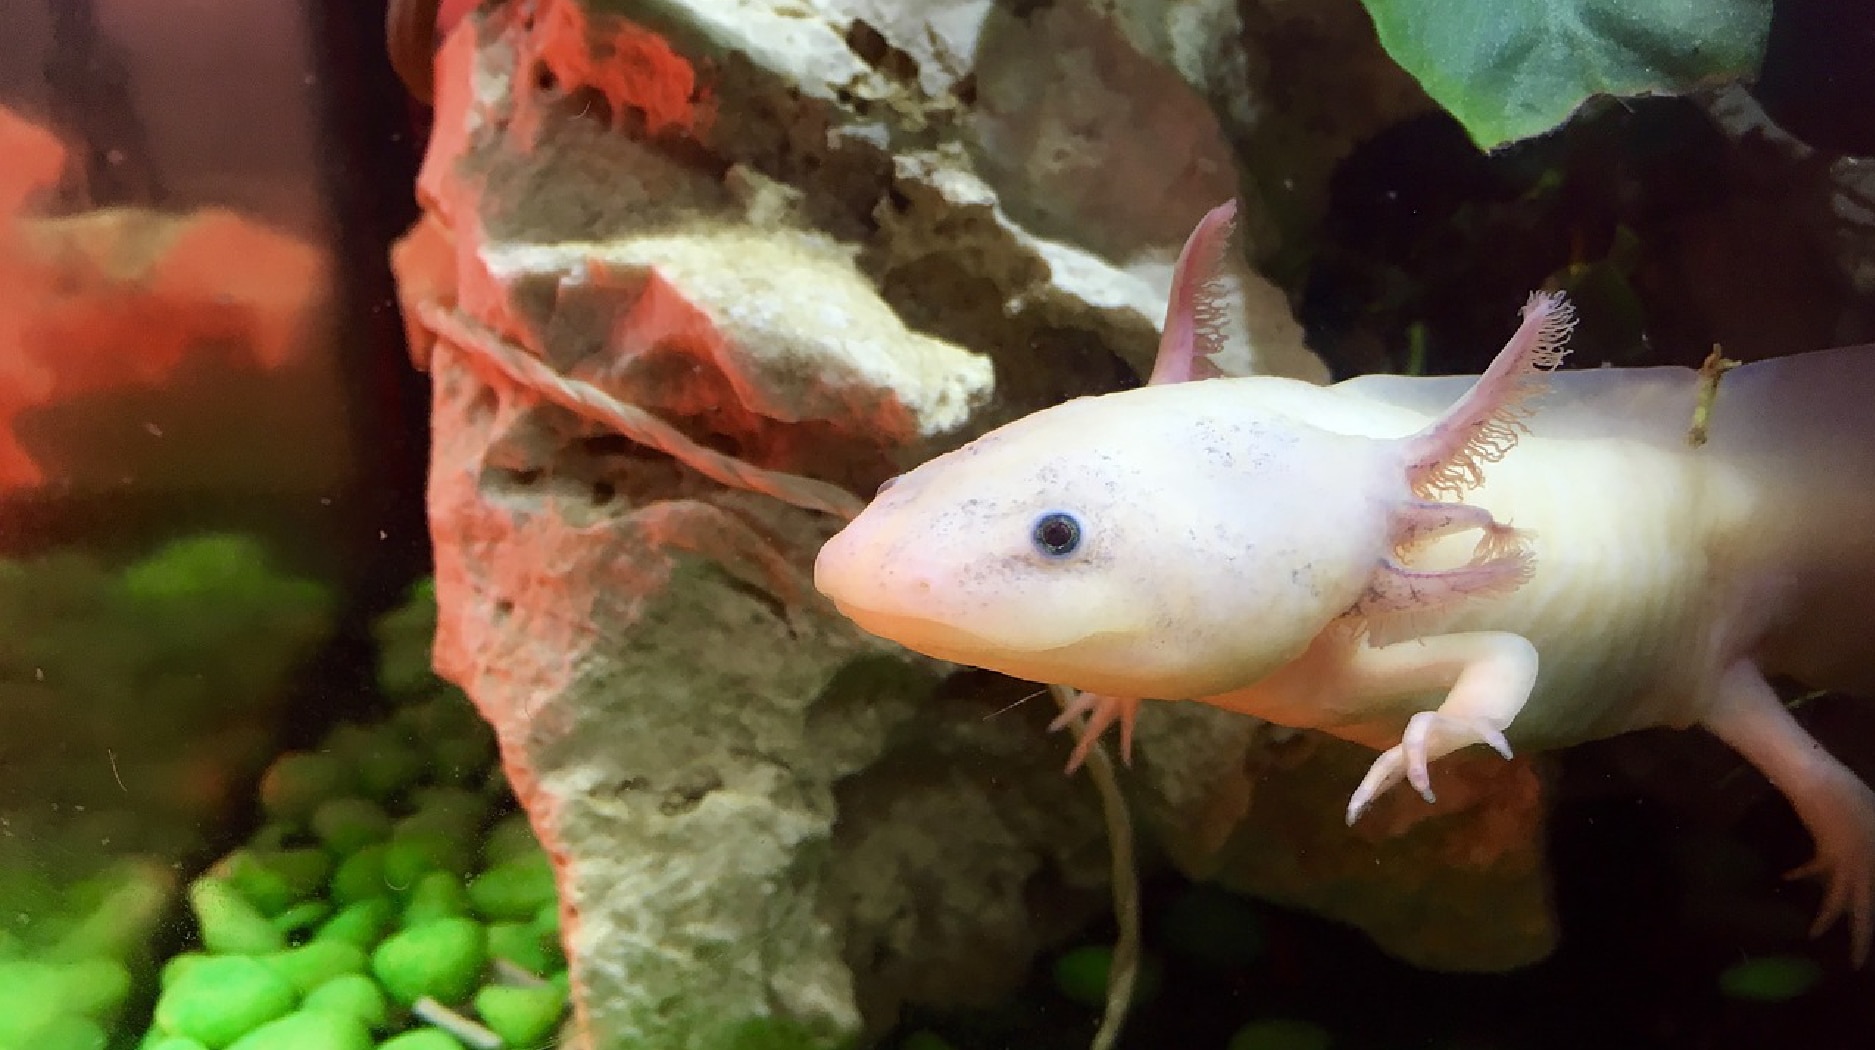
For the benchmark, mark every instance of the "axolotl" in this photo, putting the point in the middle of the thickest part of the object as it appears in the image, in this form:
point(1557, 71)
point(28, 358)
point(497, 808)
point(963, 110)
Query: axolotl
point(1529, 558)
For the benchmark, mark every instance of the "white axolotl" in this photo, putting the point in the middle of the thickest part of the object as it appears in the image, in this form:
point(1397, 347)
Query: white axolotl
point(1374, 559)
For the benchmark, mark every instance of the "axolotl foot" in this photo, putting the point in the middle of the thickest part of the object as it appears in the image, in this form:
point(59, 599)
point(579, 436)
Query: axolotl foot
point(1842, 821)
point(1429, 735)
point(1102, 712)
point(1836, 807)
point(1488, 676)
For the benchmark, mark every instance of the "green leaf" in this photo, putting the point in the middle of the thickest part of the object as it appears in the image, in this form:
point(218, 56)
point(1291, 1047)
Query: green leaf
point(1513, 69)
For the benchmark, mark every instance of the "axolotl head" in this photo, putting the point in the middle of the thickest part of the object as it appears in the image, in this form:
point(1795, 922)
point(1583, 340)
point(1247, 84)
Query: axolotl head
point(1167, 542)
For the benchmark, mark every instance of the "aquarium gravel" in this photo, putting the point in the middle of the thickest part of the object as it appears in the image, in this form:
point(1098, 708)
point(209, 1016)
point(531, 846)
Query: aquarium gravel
point(393, 897)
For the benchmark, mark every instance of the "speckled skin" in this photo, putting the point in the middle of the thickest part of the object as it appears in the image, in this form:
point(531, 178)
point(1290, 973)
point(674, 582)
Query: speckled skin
point(1287, 551)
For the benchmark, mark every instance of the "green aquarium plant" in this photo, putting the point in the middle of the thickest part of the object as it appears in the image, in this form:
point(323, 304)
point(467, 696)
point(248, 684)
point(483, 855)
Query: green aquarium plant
point(1514, 69)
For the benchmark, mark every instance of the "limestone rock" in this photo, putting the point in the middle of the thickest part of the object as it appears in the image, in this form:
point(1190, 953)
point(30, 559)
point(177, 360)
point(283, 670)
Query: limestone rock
point(724, 767)
point(747, 798)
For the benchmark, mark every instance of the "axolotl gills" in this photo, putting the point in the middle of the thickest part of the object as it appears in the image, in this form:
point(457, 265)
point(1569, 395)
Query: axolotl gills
point(1526, 558)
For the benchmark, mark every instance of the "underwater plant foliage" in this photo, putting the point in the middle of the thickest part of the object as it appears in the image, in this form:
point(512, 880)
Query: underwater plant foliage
point(1518, 68)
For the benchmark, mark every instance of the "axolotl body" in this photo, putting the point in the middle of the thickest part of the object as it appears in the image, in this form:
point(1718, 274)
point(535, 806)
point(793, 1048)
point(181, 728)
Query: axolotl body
point(1417, 564)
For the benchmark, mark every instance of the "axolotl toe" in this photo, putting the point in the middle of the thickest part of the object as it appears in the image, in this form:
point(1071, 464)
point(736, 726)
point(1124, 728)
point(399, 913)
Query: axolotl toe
point(1525, 559)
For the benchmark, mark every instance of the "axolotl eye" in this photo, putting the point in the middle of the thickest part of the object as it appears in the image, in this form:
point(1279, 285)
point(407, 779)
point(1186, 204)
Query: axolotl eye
point(1056, 534)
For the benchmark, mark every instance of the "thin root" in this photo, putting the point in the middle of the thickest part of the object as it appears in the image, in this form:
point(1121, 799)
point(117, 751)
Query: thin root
point(641, 426)
point(1125, 969)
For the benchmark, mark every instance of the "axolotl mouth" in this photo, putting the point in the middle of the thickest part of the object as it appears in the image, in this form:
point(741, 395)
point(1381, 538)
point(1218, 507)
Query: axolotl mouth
point(933, 638)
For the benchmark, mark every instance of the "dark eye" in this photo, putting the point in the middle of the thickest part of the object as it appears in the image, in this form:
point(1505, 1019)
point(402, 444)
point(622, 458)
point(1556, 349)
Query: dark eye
point(1056, 534)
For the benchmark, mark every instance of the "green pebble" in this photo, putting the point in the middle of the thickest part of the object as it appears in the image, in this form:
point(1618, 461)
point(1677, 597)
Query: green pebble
point(32, 996)
point(311, 965)
point(388, 767)
point(437, 895)
point(274, 834)
point(258, 884)
point(524, 945)
point(410, 855)
point(32, 993)
point(273, 880)
point(442, 959)
point(305, 869)
point(360, 876)
point(448, 711)
point(521, 1016)
point(925, 1039)
point(1081, 975)
point(362, 923)
point(229, 924)
point(223, 998)
point(453, 809)
point(96, 988)
point(510, 838)
point(173, 1042)
point(347, 825)
point(70, 1032)
point(1213, 926)
point(463, 758)
point(765, 1032)
point(547, 919)
point(298, 781)
point(354, 995)
point(1281, 1033)
point(1771, 979)
point(308, 1030)
point(422, 1039)
point(515, 890)
point(302, 916)
point(178, 964)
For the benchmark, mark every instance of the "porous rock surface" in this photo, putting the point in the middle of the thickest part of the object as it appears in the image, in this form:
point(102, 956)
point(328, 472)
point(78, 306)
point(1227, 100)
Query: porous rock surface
point(830, 238)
